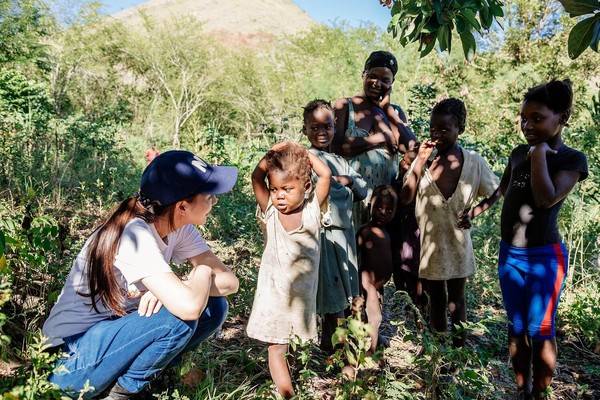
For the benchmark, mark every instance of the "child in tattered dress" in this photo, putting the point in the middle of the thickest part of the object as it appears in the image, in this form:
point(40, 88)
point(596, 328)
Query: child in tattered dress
point(338, 269)
point(285, 300)
point(446, 186)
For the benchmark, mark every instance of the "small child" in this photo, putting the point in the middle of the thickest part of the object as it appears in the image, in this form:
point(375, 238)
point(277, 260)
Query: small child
point(285, 298)
point(338, 269)
point(533, 260)
point(406, 246)
point(375, 255)
point(445, 189)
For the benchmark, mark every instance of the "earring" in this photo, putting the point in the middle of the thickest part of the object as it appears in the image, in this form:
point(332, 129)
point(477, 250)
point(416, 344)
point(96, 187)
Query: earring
point(306, 194)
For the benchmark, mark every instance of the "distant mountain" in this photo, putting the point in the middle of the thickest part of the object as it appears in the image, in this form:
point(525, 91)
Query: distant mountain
point(232, 21)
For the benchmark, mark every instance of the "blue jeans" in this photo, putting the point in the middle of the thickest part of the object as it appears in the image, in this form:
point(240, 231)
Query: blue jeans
point(133, 350)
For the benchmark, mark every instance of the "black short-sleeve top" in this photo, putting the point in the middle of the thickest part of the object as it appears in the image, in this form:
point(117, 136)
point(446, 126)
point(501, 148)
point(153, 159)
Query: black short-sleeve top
point(542, 226)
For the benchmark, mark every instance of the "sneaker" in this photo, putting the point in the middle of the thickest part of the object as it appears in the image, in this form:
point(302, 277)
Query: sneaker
point(118, 393)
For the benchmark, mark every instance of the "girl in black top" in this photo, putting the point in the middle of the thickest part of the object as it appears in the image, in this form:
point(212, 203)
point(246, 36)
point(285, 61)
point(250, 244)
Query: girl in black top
point(533, 260)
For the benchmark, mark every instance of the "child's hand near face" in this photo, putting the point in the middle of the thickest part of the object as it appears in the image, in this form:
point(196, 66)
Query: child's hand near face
point(425, 150)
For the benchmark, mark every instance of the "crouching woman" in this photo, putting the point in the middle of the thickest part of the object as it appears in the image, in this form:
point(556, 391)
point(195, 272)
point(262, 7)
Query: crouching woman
point(123, 315)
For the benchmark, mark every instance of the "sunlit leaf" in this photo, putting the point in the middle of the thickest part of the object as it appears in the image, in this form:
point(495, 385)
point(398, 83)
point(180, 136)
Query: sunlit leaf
point(580, 36)
point(595, 36)
point(580, 7)
point(468, 43)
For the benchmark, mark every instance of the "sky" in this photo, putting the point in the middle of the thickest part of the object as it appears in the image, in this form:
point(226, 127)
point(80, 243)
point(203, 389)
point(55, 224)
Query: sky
point(355, 12)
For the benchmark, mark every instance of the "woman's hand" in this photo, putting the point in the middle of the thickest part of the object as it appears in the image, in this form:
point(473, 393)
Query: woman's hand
point(343, 180)
point(149, 305)
point(384, 100)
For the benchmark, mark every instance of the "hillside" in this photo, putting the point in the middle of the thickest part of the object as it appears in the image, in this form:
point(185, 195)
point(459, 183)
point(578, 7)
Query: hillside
point(232, 21)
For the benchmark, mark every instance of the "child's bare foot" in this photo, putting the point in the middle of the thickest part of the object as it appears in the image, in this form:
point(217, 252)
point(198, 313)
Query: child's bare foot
point(349, 372)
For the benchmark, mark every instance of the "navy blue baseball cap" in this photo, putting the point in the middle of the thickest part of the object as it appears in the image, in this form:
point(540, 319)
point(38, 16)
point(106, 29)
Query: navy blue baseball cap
point(177, 174)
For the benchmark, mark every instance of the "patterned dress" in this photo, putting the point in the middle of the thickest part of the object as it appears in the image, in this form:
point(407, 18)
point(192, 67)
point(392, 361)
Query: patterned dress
point(376, 166)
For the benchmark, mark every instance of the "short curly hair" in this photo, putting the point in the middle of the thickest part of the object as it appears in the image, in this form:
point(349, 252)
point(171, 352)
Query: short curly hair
point(455, 108)
point(314, 105)
point(291, 158)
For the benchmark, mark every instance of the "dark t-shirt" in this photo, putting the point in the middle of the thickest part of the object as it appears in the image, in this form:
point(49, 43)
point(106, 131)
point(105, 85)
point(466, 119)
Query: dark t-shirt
point(542, 227)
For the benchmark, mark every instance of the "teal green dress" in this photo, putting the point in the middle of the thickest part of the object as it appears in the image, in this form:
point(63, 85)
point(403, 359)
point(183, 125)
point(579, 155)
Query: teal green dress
point(376, 166)
point(338, 266)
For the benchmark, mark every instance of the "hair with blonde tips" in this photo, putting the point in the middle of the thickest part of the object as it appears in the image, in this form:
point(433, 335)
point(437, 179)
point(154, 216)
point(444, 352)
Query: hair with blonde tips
point(291, 158)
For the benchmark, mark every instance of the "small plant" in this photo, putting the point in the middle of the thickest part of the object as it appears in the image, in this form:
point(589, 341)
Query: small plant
point(352, 342)
point(30, 381)
point(304, 365)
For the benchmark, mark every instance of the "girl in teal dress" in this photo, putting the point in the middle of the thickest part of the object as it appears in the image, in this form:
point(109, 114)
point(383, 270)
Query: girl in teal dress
point(338, 271)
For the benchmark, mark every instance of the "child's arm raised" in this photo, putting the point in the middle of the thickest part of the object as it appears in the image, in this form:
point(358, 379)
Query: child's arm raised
point(547, 191)
point(259, 185)
point(411, 181)
point(323, 177)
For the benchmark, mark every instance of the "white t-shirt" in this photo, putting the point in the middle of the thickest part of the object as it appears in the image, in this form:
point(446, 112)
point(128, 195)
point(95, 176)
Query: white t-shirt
point(142, 253)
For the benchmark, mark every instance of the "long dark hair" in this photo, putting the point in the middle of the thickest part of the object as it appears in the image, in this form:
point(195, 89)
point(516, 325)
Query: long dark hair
point(104, 245)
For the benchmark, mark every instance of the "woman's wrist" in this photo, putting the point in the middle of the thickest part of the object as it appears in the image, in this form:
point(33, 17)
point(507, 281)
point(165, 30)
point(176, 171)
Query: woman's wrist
point(201, 272)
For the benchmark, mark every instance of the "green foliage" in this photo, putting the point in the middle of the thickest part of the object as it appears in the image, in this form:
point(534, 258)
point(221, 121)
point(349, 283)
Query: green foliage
point(352, 342)
point(80, 104)
point(422, 101)
point(31, 381)
point(22, 24)
point(586, 33)
point(427, 21)
point(582, 314)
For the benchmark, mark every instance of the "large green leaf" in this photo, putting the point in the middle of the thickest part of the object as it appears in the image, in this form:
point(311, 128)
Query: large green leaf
point(443, 37)
point(580, 36)
point(595, 36)
point(485, 17)
point(468, 44)
point(437, 7)
point(469, 15)
point(427, 48)
point(496, 9)
point(580, 7)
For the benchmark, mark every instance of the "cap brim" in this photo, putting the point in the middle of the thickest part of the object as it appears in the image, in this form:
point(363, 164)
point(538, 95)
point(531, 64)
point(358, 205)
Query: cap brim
point(222, 179)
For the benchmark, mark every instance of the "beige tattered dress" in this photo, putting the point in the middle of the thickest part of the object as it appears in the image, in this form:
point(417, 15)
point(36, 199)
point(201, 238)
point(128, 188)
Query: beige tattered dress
point(285, 298)
point(446, 250)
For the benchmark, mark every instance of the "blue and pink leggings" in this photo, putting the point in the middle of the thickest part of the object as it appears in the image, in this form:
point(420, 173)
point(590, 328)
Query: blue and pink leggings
point(531, 279)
